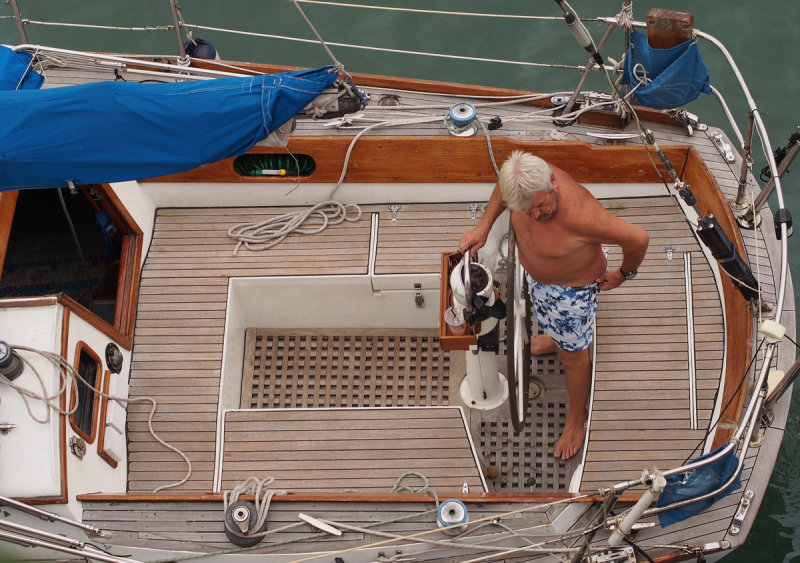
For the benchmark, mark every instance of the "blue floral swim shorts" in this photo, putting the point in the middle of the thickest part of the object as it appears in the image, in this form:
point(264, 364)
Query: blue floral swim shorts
point(565, 313)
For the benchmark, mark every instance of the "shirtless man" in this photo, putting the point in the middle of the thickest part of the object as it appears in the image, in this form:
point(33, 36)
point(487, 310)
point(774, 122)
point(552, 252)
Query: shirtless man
point(559, 227)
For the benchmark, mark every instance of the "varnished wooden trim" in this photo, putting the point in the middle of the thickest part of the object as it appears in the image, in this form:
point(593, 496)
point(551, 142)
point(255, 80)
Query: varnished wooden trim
point(128, 284)
point(81, 346)
point(8, 204)
point(448, 341)
point(444, 159)
point(101, 431)
point(356, 497)
point(95, 321)
point(738, 311)
point(42, 301)
point(130, 255)
point(62, 402)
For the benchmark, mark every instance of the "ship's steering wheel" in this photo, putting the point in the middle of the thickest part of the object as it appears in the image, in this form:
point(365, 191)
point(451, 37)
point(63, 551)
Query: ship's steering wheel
point(518, 323)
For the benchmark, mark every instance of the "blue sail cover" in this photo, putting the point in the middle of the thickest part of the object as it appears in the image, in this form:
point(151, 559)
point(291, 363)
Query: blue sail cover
point(16, 72)
point(702, 480)
point(676, 76)
point(115, 131)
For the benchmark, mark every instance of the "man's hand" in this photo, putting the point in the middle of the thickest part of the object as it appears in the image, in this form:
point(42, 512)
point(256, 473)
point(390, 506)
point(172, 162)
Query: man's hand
point(472, 240)
point(610, 280)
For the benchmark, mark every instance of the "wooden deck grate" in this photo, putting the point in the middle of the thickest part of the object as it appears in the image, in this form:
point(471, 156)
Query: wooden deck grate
point(525, 461)
point(344, 368)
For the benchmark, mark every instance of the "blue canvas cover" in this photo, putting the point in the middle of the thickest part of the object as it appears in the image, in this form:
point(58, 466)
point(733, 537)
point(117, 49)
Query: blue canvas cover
point(701, 481)
point(116, 131)
point(16, 72)
point(676, 75)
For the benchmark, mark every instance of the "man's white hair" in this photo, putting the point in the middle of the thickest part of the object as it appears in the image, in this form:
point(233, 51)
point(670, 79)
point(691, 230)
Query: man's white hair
point(522, 176)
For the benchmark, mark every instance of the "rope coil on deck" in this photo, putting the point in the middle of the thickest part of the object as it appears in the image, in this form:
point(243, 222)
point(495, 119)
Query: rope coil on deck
point(263, 235)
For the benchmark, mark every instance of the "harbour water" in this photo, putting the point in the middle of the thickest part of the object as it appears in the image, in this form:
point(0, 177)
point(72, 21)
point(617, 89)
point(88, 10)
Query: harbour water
point(761, 36)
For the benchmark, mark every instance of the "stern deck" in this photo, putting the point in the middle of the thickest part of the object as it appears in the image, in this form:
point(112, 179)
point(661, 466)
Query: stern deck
point(641, 391)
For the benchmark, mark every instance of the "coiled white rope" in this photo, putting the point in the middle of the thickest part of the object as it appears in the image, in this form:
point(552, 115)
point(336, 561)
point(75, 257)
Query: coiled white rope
point(27, 394)
point(263, 235)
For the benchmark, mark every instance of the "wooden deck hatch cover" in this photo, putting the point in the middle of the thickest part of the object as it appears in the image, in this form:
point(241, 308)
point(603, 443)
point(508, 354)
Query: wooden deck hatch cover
point(350, 449)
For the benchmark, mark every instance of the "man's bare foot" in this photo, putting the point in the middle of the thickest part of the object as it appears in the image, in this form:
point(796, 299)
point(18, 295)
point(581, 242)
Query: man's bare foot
point(542, 344)
point(574, 433)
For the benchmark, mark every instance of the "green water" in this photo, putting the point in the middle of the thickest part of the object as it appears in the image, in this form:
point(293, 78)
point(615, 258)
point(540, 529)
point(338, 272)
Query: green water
point(760, 36)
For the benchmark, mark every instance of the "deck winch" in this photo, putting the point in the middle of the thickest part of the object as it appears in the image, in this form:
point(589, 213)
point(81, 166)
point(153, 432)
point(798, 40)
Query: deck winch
point(460, 119)
point(10, 362)
point(452, 517)
point(242, 524)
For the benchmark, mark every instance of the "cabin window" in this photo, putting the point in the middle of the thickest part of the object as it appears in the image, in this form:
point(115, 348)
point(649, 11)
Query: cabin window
point(79, 243)
point(274, 165)
point(84, 419)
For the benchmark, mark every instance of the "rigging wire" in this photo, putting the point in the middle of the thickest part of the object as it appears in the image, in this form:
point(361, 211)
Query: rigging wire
point(385, 49)
point(418, 537)
point(638, 549)
point(437, 12)
point(728, 404)
point(336, 63)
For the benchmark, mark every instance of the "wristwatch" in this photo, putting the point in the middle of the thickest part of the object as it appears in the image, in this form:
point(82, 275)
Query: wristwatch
point(628, 275)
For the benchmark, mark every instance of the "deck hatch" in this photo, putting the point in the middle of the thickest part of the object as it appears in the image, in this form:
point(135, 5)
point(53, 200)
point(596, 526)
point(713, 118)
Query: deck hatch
point(299, 368)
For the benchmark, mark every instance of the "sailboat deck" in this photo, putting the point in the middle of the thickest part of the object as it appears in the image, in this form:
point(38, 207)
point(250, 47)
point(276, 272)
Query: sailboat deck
point(358, 449)
point(641, 389)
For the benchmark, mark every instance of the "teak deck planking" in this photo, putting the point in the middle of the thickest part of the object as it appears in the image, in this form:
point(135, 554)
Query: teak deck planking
point(178, 347)
point(360, 449)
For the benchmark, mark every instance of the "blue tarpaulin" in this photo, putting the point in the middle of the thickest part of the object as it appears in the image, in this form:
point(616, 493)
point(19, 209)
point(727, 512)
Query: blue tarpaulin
point(116, 131)
point(16, 72)
point(701, 481)
point(672, 77)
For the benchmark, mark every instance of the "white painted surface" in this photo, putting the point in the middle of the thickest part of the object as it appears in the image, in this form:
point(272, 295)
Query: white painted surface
point(30, 454)
point(288, 194)
point(30, 464)
point(92, 473)
point(141, 207)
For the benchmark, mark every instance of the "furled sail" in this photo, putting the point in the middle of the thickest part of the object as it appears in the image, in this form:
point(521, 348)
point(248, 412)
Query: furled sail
point(116, 131)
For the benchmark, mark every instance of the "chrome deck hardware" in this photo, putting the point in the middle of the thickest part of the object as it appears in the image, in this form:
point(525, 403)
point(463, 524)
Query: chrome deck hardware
point(741, 512)
point(723, 147)
point(473, 211)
